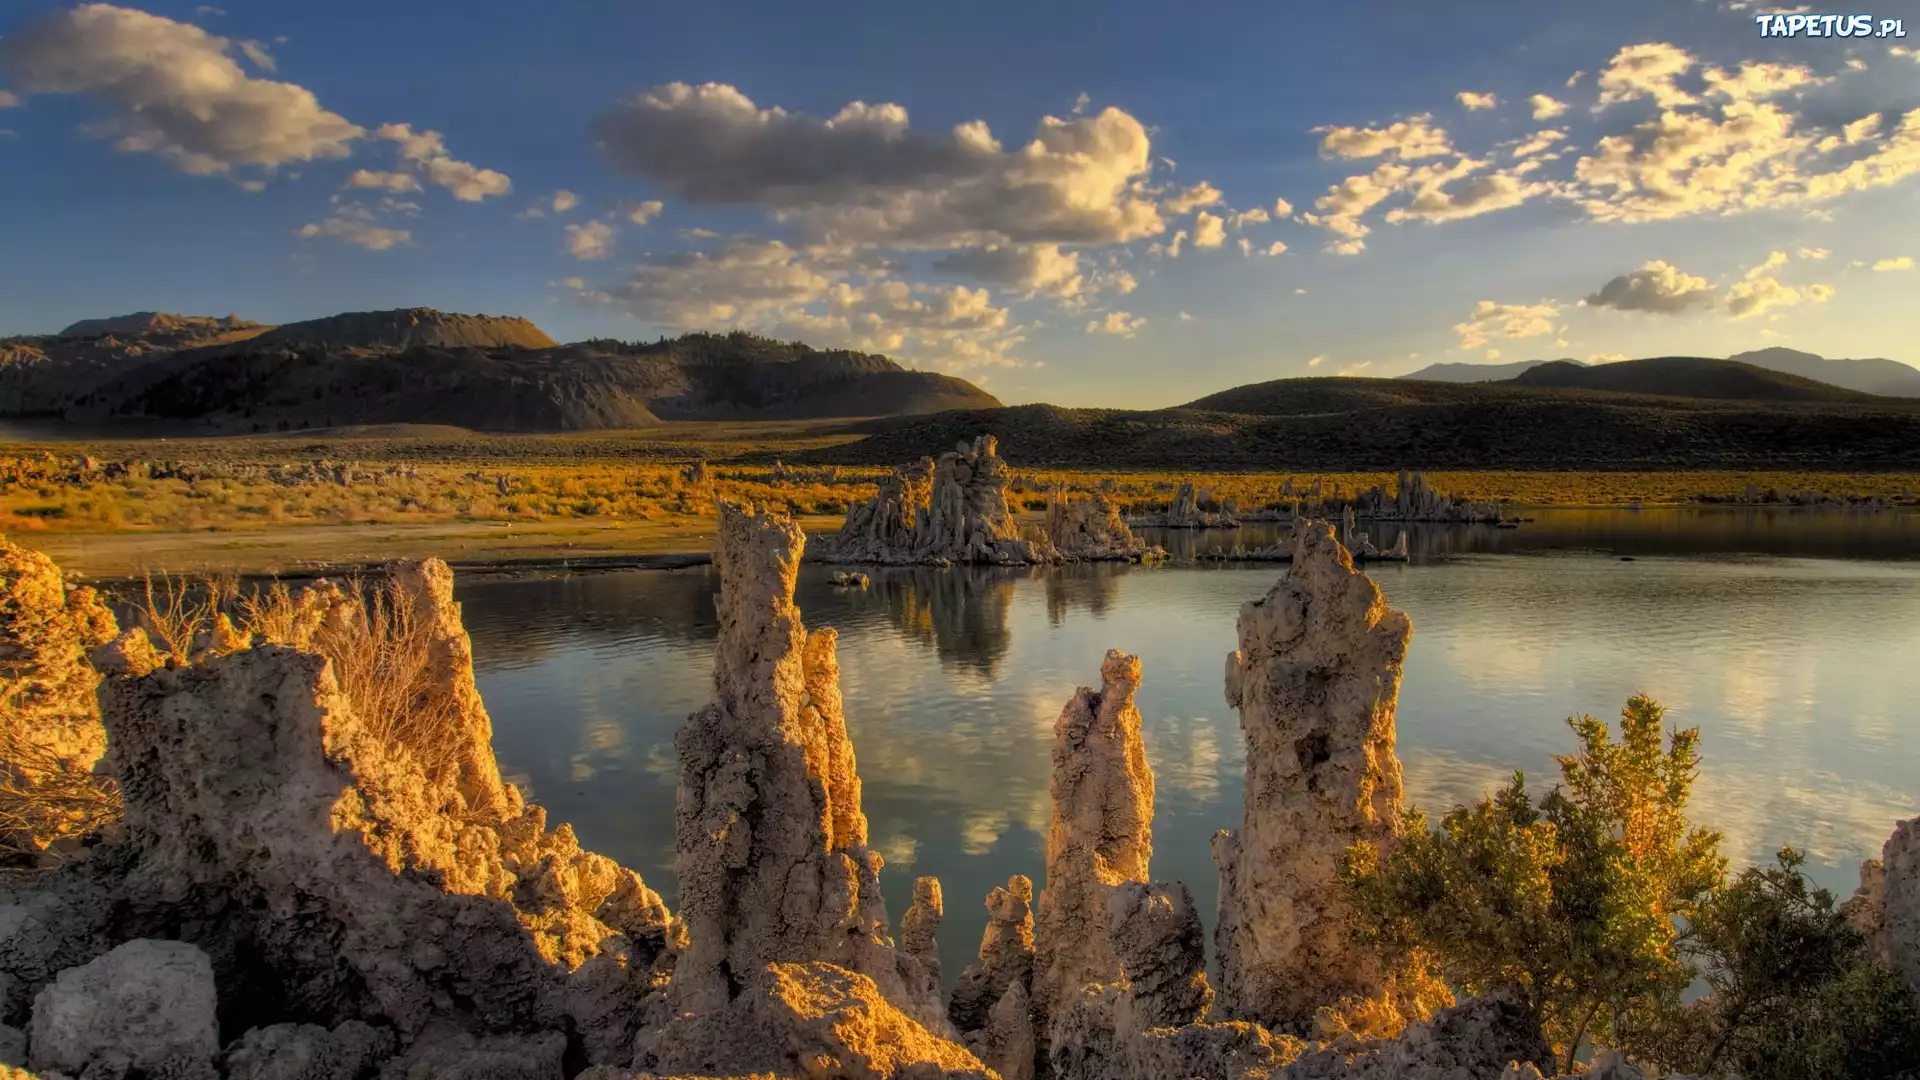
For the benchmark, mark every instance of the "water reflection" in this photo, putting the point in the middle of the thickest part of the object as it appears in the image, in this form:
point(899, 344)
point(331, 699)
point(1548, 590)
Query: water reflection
point(1799, 671)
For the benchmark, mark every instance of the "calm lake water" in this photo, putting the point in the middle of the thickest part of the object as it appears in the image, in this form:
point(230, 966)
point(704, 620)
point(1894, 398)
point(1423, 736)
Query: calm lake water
point(1790, 638)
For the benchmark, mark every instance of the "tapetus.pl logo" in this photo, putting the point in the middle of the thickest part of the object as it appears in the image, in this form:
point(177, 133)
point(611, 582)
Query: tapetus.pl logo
point(1812, 26)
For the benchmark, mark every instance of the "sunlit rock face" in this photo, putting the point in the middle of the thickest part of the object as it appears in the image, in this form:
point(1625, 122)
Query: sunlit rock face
point(950, 511)
point(1315, 681)
point(335, 866)
point(1090, 529)
point(771, 845)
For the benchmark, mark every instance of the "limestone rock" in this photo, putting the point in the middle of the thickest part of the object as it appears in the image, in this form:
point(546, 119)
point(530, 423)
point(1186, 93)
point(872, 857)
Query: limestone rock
point(1090, 529)
point(1007, 1042)
point(13, 1046)
point(813, 1020)
point(331, 874)
point(1006, 956)
point(1476, 1039)
point(149, 1003)
point(443, 1054)
point(851, 579)
point(1083, 1042)
point(1192, 510)
point(1161, 946)
point(920, 929)
point(1900, 904)
point(771, 846)
point(308, 1052)
point(1235, 1050)
point(951, 511)
point(1315, 682)
point(50, 733)
point(1101, 834)
point(1414, 499)
point(1866, 909)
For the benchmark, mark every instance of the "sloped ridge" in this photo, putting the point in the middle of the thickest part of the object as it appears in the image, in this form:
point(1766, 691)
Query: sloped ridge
point(407, 328)
point(1686, 376)
point(156, 322)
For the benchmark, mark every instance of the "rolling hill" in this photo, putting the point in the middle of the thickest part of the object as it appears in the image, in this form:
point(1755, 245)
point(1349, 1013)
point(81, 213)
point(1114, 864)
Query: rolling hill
point(1875, 376)
point(1686, 376)
point(420, 366)
point(1456, 372)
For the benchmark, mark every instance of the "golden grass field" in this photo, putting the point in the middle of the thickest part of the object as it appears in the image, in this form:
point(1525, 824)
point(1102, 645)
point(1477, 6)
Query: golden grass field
point(257, 504)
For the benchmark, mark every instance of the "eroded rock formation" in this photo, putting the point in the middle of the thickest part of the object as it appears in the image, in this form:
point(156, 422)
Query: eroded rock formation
point(1886, 907)
point(1091, 529)
point(950, 511)
point(992, 1005)
point(1101, 834)
point(50, 733)
point(1315, 681)
point(773, 861)
point(148, 1005)
point(1193, 510)
point(1414, 499)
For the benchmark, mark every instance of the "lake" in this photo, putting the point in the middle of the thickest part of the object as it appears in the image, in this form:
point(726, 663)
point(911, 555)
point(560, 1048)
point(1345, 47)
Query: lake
point(1790, 638)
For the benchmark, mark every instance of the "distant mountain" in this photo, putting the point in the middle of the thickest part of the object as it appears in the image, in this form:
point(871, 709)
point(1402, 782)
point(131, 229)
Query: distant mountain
point(1473, 373)
point(1889, 377)
point(420, 366)
point(1874, 376)
point(1686, 376)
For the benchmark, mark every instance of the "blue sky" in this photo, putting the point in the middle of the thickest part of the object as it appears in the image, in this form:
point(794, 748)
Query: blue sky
point(1704, 191)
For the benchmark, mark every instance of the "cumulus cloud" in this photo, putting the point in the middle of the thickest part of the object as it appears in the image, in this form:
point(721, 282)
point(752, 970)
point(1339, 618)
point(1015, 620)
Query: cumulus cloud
point(1282, 208)
point(1658, 286)
point(1537, 142)
point(1240, 219)
point(1408, 140)
point(1491, 320)
point(357, 225)
point(1646, 71)
point(1209, 230)
point(1545, 107)
point(1117, 323)
point(1033, 269)
point(642, 212)
point(865, 176)
point(426, 151)
point(563, 201)
point(1903, 262)
point(1438, 198)
point(823, 297)
point(1759, 291)
point(590, 240)
point(1276, 248)
point(174, 90)
point(1314, 362)
point(1193, 198)
point(383, 181)
point(1814, 253)
point(1476, 102)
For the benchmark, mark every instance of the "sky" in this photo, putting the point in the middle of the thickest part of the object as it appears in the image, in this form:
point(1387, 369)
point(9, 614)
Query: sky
point(1114, 204)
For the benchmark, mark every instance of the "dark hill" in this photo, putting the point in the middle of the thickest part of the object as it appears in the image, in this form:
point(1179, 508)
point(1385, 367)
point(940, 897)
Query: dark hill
point(1686, 376)
point(1873, 376)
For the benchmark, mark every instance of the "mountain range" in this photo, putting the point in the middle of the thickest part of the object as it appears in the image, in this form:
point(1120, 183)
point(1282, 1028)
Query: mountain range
point(488, 373)
point(1872, 376)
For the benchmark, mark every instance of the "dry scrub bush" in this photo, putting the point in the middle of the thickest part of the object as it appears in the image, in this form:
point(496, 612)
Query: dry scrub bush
point(44, 798)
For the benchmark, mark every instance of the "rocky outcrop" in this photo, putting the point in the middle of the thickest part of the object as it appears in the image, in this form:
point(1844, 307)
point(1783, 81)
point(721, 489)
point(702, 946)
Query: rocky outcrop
point(146, 1004)
point(1101, 834)
point(1315, 681)
point(1887, 905)
point(1091, 530)
point(1414, 499)
point(332, 875)
point(50, 733)
point(308, 1052)
point(1193, 510)
point(992, 1005)
point(771, 848)
point(1480, 1038)
point(1156, 933)
point(920, 931)
point(937, 513)
point(813, 1020)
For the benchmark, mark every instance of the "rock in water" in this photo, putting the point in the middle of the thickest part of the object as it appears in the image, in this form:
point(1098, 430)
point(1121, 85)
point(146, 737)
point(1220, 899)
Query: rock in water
point(951, 511)
point(148, 1004)
point(992, 1007)
point(771, 839)
point(1101, 834)
point(1315, 681)
point(1090, 529)
point(335, 866)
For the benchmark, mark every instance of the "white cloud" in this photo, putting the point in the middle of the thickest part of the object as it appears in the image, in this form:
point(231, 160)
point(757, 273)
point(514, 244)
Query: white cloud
point(1658, 286)
point(1814, 253)
point(1492, 354)
point(1904, 262)
point(1209, 230)
point(1606, 358)
point(1117, 323)
point(1242, 218)
point(383, 181)
point(257, 54)
point(1490, 320)
point(427, 151)
point(355, 224)
point(1537, 142)
point(1546, 107)
point(1314, 362)
point(175, 91)
point(591, 240)
point(1246, 247)
point(864, 176)
point(825, 298)
point(1476, 102)
point(1646, 70)
point(642, 212)
point(1758, 291)
point(1186, 316)
point(1299, 292)
point(1282, 208)
point(1033, 269)
point(1354, 368)
point(1193, 198)
point(1279, 247)
point(1407, 140)
point(563, 201)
